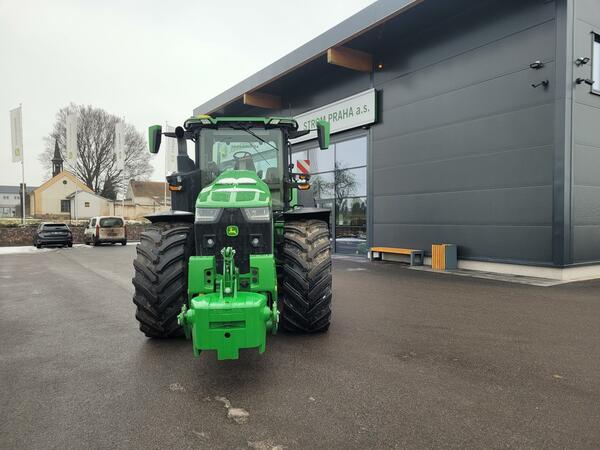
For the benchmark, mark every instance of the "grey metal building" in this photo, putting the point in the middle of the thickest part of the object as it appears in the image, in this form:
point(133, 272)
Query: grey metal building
point(479, 125)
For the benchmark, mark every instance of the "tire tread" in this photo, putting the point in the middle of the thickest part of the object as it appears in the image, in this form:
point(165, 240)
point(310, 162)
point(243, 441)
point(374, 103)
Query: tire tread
point(306, 278)
point(160, 278)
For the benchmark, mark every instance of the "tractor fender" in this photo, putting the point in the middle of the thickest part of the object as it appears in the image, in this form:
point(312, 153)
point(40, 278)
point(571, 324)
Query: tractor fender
point(307, 212)
point(171, 216)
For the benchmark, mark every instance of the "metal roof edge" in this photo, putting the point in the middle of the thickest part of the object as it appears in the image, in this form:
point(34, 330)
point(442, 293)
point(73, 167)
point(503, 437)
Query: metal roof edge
point(362, 21)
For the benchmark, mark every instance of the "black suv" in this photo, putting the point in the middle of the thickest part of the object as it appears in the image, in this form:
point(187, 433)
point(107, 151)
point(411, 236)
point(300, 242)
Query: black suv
point(53, 234)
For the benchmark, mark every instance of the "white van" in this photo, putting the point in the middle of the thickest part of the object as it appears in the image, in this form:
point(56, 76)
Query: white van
point(105, 229)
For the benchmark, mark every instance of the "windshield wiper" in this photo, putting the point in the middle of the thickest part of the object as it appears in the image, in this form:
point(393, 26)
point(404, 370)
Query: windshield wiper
point(257, 152)
point(252, 133)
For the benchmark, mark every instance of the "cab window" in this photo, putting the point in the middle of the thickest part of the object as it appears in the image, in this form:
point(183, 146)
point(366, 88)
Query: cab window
point(259, 151)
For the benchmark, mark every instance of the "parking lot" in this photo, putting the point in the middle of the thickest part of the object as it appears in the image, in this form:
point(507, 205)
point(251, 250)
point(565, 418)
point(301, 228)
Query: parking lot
point(412, 359)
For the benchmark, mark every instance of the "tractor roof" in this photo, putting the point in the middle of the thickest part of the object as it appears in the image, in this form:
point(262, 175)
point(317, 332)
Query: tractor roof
point(214, 122)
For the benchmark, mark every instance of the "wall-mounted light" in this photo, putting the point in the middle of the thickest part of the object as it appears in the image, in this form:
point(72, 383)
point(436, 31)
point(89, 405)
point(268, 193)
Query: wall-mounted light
point(544, 83)
point(582, 61)
point(536, 65)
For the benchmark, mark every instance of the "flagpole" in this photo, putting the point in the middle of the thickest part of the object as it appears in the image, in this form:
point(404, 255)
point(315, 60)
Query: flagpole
point(166, 156)
point(75, 168)
point(124, 189)
point(24, 208)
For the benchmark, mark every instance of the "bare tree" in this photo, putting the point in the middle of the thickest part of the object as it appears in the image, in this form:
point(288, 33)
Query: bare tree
point(96, 165)
point(344, 184)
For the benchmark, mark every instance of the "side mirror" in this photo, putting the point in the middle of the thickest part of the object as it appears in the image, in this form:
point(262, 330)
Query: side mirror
point(323, 134)
point(154, 136)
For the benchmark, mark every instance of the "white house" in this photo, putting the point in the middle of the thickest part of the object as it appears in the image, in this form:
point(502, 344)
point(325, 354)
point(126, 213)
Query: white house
point(87, 204)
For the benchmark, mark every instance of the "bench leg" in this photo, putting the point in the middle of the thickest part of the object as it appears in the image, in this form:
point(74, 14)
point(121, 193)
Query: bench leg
point(416, 258)
point(375, 256)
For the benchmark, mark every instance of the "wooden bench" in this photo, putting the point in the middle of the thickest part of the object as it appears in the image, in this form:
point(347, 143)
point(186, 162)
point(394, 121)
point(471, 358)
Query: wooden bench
point(416, 256)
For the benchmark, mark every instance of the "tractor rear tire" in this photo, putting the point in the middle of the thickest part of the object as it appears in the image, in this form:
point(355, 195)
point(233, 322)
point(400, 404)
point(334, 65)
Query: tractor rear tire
point(160, 279)
point(306, 280)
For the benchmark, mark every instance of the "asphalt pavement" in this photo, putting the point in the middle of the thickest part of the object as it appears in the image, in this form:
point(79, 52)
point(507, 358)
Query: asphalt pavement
point(412, 360)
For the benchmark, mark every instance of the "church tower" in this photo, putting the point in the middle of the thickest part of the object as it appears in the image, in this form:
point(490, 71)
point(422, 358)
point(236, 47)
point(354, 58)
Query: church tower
point(57, 161)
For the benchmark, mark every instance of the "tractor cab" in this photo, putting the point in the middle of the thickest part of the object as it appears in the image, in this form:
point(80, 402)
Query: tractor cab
point(236, 143)
point(261, 152)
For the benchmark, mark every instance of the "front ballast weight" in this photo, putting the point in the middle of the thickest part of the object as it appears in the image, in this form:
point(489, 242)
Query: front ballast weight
point(227, 319)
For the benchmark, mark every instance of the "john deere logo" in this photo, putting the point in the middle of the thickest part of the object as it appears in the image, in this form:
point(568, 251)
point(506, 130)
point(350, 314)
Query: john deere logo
point(232, 230)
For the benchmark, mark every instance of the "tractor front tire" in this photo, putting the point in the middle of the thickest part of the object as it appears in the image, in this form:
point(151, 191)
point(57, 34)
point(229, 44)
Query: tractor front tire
point(306, 280)
point(160, 279)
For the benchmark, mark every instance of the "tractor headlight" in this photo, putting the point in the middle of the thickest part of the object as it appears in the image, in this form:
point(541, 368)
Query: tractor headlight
point(208, 215)
point(262, 214)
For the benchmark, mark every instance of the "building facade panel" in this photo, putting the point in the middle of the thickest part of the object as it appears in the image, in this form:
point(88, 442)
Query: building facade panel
point(474, 208)
point(502, 57)
point(494, 243)
point(585, 209)
point(527, 128)
point(521, 168)
point(483, 133)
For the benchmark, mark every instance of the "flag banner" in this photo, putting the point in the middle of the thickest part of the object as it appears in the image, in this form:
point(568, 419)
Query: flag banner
point(171, 152)
point(71, 125)
point(119, 147)
point(16, 134)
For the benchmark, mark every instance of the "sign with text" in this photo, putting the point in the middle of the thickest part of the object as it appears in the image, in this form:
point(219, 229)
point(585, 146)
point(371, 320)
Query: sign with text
point(350, 112)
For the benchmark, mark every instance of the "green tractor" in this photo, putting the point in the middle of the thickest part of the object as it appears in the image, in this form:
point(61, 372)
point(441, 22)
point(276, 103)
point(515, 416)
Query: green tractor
point(244, 249)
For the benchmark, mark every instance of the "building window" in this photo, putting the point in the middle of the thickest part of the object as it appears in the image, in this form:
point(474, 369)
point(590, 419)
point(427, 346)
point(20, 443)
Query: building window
point(65, 206)
point(339, 180)
point(596, 64)
point(7, 212)
point(87, 204)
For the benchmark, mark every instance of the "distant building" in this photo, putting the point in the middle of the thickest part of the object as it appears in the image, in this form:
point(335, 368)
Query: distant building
point(56, 197)
point(10, 200)
point(87, 204)
point(143, 198)
point(149, 194)
point(53, 197)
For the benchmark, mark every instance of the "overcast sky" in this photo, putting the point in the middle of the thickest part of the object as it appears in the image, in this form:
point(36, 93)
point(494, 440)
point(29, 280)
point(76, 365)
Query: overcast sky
point(149, 61)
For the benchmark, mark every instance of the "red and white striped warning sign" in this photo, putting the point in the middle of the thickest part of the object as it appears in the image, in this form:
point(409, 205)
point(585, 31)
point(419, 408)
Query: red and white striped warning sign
point(303, 166)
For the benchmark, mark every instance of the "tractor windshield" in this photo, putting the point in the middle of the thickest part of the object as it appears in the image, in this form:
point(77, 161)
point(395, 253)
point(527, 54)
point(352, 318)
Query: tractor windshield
point(227, 148)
